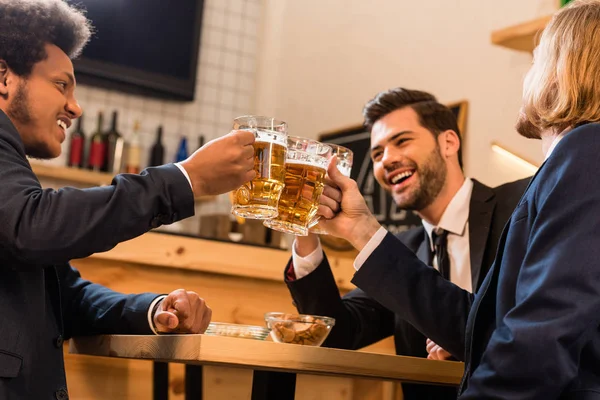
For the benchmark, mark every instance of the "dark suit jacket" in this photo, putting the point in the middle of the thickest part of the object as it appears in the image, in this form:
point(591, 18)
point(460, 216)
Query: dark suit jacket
point(360, 320)
point(43, 300)
point(532, 330)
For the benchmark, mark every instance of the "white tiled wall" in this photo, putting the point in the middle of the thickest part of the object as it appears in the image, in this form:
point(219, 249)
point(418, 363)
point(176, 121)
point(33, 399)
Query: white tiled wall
point(224, 89)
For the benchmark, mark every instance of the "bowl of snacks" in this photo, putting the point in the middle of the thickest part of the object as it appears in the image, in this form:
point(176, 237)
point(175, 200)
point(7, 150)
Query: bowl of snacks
point(235, 330)
point(309, 330)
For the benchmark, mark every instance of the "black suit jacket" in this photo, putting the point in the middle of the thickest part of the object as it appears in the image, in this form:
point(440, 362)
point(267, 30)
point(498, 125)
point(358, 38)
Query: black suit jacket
point(532, 330)
point(361, 320)
point(43, 300)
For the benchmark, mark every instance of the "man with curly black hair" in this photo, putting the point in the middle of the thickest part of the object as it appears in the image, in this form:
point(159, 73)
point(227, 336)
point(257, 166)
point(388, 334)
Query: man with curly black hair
point(42, 298)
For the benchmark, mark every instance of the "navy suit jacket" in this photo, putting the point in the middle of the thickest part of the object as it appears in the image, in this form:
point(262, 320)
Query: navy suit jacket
point(361, 321)
point(532, 330)
point(43, 300)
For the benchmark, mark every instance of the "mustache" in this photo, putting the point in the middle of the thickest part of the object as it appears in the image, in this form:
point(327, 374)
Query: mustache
point(400, 164)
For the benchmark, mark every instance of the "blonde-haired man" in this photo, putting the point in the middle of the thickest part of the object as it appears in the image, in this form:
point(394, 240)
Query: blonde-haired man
point(532, 330)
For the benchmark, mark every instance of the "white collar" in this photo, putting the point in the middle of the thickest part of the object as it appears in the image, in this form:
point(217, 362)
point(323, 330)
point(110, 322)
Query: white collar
point(455, 216)
point(555, 142)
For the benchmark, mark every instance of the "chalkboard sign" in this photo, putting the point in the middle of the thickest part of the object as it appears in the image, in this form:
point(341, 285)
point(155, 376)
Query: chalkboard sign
point(380, 202)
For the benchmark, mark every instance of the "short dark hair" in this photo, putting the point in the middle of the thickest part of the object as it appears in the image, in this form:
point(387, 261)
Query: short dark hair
point(26, 26)
point(433, 115)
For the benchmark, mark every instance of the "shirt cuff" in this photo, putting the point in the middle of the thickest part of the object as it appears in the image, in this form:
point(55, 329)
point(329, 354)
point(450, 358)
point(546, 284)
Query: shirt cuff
point(184, 172)
point(305, 265)
point(150, 309)
point(369, 248)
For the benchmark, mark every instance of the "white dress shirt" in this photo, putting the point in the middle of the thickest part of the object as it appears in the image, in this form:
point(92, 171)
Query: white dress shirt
point(455, 220)
point(555, 142)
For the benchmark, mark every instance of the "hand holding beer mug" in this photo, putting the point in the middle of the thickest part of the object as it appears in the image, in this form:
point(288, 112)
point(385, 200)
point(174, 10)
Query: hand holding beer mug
point(258, 198)
point(305, 169)
point(344, 164)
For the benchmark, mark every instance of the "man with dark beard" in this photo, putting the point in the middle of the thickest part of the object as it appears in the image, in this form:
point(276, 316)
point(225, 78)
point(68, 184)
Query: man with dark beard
point(532, 330)
point(416, 152)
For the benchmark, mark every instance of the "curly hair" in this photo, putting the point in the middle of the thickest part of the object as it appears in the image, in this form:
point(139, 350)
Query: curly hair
point(433, 115)
point(26, 26)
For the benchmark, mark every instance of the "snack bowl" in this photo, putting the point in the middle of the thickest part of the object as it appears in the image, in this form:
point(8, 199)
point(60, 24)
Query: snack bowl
point(309, 330)
point(236, 330)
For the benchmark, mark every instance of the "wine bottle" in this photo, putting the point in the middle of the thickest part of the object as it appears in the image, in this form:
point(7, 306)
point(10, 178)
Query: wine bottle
point(157, 153)
point(97, 147)
point(77, 146)
point(114, 147)
point(132, 165)
point(182, 151)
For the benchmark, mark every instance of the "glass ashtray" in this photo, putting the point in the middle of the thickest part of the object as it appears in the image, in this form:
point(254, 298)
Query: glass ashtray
point(235, 330)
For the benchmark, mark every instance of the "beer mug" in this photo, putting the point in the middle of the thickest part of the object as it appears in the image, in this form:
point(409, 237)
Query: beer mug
point(305, 169)
point(344, 164)
point(258, 198)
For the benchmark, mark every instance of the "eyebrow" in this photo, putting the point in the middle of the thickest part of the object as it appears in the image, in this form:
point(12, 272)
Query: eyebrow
point(70, 77)
point(390, 139)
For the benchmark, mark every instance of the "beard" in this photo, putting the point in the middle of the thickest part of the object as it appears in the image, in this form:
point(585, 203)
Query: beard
point(19, 112)
point(526, 128)
point(432, 177)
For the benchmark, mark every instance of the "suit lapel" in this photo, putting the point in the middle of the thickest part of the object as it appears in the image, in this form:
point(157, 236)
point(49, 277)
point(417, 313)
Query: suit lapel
point(481, 210)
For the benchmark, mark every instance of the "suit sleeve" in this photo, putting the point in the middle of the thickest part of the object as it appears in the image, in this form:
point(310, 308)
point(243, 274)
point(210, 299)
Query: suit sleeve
point(91, 309)
point(44, 226)
point(397, 279)
point(359, 320)
point(537, 347)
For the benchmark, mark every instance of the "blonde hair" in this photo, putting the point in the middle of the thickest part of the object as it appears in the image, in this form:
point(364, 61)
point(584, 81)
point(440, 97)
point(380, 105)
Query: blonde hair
point(562, 89)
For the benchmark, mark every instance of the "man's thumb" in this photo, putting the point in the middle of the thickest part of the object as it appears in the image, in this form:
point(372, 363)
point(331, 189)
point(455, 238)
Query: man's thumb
point(167, 319)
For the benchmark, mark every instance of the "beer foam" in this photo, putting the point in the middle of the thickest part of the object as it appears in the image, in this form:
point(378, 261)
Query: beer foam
point(307, 159)
point(267, 136)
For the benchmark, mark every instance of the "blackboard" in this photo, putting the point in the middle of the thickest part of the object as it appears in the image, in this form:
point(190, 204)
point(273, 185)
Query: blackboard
point(357, 139)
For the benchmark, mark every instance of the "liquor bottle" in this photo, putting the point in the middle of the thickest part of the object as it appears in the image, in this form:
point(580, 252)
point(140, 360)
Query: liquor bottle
point(200, 141)
point(182, 151)
point(114, 147)
point(157, 153)
point(97, 154)
point(132, 166)
point(77, 146)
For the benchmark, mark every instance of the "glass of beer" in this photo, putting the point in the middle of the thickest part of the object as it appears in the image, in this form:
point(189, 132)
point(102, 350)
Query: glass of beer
point(344, 164)
point(258, 198)
point(305, 169)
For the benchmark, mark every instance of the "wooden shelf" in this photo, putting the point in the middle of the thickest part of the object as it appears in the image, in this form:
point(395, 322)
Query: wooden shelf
point(521, 37)
point(81, 176)
point(72, 174)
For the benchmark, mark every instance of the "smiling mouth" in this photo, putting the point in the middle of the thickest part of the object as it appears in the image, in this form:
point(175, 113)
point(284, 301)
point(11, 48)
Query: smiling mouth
point(400, 178)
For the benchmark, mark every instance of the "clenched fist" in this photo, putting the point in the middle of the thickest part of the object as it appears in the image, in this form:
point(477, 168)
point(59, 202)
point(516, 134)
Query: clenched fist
point(182, 312)
point(222, 165)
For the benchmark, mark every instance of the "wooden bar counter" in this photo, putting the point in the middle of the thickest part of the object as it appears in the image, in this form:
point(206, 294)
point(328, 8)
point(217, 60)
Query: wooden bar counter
point(237, 360)
point(239, 282)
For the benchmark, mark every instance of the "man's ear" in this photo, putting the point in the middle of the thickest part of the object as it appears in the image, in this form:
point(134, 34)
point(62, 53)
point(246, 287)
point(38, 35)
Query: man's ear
point(449, 143)
point(4, 75)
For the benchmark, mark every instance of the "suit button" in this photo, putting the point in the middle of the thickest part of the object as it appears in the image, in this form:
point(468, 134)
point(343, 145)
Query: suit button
point(155, 223)
point(58, 342)
point(62, 394)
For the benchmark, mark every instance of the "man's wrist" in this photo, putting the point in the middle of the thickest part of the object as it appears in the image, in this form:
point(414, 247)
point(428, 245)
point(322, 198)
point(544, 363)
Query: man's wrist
point(364, 230)
point(305, 245)
point(152, 311)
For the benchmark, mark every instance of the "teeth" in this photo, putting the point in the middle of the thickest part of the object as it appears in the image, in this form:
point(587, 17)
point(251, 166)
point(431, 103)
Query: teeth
point(62, 124)
point(401, 176)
